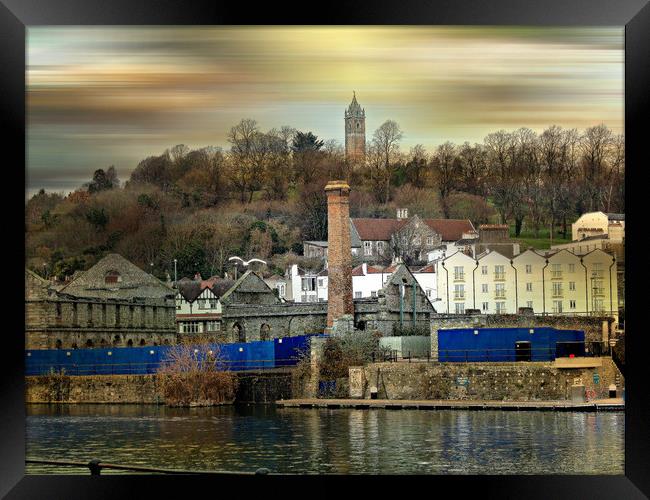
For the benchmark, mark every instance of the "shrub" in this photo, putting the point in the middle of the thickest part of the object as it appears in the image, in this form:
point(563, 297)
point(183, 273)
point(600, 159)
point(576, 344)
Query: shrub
point(346, 350)
point(193, 375)
point(410, 330)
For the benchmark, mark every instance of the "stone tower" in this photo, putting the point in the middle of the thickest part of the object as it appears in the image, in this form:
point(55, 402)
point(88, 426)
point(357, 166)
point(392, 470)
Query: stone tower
point(355, 131)
point(339, 253)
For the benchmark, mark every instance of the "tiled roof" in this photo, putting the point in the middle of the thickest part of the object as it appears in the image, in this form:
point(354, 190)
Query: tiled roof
point(450, 229)
point(375, 270)
point(358, 271)
point(427, 269)
point(383, 229)
point(135, 283)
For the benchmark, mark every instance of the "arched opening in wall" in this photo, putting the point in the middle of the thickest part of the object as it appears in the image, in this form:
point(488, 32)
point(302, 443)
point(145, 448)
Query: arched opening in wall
point(142, 342)
point(90, 343)
point(74, 346)
point(239, 333)
point(130, 343)
point(117, 340)
point(361, 325)
point(265, 332)
point(102, 343)
point(58, 344)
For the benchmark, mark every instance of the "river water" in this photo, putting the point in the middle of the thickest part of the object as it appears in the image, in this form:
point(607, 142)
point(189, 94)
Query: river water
point(343, 441)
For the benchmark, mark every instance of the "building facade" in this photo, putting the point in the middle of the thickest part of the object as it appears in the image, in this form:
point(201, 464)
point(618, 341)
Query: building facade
point(114, 303)
point(552, 283)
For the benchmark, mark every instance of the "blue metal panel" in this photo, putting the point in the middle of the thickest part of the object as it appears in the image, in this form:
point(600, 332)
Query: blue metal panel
point(498, 344)
point(147, 359)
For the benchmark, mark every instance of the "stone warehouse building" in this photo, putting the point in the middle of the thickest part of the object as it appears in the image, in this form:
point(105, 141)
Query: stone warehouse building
point(114, 303)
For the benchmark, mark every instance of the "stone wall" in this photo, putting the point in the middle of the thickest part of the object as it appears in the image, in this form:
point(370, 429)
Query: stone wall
point(263, 387)
point(529, 381)
point(139, 389)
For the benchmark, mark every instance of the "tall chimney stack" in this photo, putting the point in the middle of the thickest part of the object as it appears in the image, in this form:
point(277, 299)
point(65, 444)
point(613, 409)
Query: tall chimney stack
point(339, 252)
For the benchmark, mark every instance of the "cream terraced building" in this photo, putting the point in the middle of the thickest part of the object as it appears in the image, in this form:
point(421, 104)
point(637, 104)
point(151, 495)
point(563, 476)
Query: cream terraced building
point(557, 283)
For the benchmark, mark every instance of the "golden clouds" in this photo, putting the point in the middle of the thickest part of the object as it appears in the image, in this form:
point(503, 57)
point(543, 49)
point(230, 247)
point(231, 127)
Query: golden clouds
point(191, 84)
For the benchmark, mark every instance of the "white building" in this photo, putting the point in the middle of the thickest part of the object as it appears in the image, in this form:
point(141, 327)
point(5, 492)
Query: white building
point(553, 283)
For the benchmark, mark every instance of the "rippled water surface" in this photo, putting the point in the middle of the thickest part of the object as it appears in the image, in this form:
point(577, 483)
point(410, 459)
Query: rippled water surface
point(293, 440)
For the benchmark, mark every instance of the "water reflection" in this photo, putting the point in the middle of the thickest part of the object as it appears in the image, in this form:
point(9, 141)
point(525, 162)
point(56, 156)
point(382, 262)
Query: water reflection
point(328, 441)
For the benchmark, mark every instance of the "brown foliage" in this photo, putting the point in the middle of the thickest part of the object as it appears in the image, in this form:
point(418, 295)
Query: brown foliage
point(191, 377)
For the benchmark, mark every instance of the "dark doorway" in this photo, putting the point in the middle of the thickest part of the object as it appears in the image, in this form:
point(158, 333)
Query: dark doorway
point(523, 351)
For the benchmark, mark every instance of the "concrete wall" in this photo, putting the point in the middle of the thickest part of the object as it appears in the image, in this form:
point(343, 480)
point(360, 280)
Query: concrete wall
point(479, 381)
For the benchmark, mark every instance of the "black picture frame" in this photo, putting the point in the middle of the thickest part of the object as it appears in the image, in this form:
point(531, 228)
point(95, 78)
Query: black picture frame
point(16, 15)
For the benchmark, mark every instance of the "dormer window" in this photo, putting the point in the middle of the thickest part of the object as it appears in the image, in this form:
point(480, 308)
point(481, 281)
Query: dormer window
point(112, 277)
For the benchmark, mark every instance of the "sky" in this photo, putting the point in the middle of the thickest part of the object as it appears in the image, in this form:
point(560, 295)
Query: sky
point(101, 96)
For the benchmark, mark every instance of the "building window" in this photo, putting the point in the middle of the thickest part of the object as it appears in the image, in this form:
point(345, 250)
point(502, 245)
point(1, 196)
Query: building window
point(529, 304)
point(460, 308)
point(320, 282)
point(357, 295)
point(499, 291)
point(557, 306)
point(484, 288)
point(213, 326)
point(529, 268)
point(429, 240)
point(308, 284)
point(374, 294)
point(459, 273)
point(459, 292)
point(529, 287)
point(572, 304)
point(203, 303)
point(499, 273)
point(190, 327)
point(598, 269)
point(429, 292)
point(500, 307)
point(557, 289)
point(367, 248)
point(556, 270)
point(572, 268)
point(484, 270)
point(112, 277)
point(599, 305)
point(485, 306)
point(281, 290)
point(572, 285)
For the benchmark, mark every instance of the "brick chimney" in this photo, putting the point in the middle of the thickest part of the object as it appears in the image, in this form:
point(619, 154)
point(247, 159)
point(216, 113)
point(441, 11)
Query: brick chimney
point(339, 293)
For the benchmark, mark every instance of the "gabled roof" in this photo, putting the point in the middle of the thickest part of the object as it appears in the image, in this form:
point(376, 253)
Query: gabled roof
point(430, 268)
point(382, 229)
point(134, 281)
point(450, 229)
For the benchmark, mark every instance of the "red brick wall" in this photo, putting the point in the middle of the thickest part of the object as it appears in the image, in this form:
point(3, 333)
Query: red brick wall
point(339, 254)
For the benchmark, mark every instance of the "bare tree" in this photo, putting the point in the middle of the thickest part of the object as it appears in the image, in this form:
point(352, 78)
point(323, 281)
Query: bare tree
point(445, 166)
point(385, 142)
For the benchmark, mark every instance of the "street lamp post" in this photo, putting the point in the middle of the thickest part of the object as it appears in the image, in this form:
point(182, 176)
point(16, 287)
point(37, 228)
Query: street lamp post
point(175, 274)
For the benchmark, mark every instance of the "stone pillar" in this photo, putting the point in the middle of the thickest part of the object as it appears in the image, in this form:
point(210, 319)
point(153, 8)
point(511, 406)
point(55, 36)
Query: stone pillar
point(339, 252)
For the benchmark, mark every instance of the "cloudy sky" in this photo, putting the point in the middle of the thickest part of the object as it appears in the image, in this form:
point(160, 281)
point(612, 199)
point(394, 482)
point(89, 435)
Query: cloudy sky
point(112, 96)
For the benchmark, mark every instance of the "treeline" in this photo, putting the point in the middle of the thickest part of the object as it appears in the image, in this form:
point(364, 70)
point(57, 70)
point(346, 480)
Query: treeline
point(263, 195)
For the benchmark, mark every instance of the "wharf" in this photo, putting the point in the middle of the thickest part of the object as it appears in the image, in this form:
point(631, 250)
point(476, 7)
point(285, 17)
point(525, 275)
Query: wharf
point(613, 404)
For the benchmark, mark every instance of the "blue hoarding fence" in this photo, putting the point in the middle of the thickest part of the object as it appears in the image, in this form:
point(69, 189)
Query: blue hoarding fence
point(508, 344)
point(259, 355)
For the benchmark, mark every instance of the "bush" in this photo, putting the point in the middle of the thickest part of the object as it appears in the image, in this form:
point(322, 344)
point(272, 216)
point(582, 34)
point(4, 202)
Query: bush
point(192, 376)
point(350, 349)
point(410, 330)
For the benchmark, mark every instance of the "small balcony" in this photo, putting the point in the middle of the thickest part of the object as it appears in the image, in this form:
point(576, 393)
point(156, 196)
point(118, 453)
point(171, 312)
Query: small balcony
point(556, 275)
point(500, 295)
point(459, 296)
point(499, 276)
point(459, 277)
